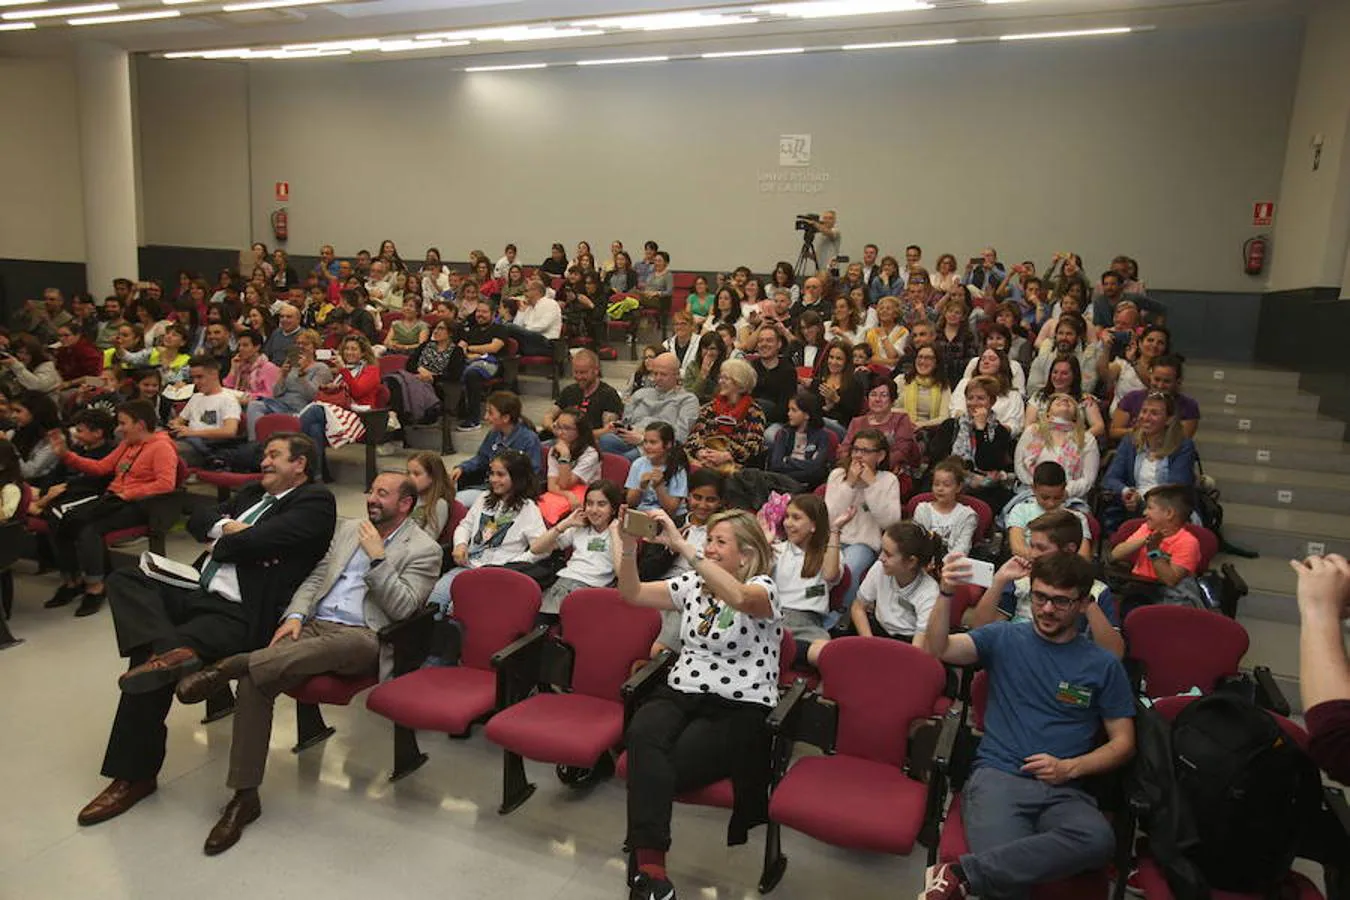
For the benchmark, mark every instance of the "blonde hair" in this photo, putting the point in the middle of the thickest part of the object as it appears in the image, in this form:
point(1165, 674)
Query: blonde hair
point(1043, 422)
point(1172, 435)
point(741, 373)
point(893, 303)
point(757, 555)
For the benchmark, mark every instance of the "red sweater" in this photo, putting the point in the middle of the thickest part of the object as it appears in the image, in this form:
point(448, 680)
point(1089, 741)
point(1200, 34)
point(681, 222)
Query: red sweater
point(151, 467)
point(78, 360)
point(1329, 726)
point(365, 386)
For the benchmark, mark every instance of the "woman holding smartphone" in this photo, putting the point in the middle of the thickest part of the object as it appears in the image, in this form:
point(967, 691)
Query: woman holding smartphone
point(706, 722)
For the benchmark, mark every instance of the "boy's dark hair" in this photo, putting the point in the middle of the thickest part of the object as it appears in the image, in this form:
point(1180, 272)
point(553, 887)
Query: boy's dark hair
point(506, 404)
point(707, 478)
point(1168, 361)
point(141, 410)
point(299, 446)
point(96, 419)
point(1064, 570)
point(1175, 497)
point(1061, 527)
point(204, 361)
point(1048, 474)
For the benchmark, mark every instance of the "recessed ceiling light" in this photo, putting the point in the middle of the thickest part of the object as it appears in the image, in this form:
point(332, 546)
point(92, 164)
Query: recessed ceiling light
point(126, 17)
point(269, 4)
point(728, 54)
point(18, 26)
point(21, 2)
point(667, 21)
point(402, 46)
point(623, 60)
point(514, 68)
point(823, 9)
point(1043, 35)
point(890, 45)
point(50, 11)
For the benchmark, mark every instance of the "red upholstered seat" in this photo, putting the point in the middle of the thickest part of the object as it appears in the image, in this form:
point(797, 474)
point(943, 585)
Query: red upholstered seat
point(123, 535)
point(614, 467)
point(225, 482)
point(1209, 541)
point(334, 690)
point(493, 606)
point(860, 797)
point(1182, 647)
point(448, 699)
point(569, 729)
point(851, 802)
point(718, 795)
point(953, 844)
point(393, 362)
point(1154, 885)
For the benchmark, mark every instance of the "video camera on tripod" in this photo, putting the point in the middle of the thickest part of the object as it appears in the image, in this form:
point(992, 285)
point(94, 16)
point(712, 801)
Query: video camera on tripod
point(808, 222)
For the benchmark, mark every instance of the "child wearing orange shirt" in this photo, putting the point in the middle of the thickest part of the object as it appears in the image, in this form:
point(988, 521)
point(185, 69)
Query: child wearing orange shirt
point(1162, 549)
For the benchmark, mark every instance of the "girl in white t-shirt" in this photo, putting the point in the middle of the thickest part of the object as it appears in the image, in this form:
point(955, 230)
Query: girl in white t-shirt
point(591, 533)
point(945, 515)
point(573, 463)
point(898, 593)
point(806, 566)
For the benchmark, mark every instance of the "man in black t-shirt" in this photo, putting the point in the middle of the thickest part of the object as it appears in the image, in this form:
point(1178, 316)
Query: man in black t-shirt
point(483, 342)
point(597, 399)
point(776, 378)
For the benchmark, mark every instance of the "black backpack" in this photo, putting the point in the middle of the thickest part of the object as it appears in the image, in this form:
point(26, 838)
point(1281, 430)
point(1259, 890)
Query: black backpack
point(1249, 792)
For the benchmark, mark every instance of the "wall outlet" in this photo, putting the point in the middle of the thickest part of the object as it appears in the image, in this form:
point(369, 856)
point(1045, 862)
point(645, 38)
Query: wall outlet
point(1263, 456)
point(1218, 374)
point(1230, 399)
point(1316, 548)
point(1284, 496)
point(1244, 424)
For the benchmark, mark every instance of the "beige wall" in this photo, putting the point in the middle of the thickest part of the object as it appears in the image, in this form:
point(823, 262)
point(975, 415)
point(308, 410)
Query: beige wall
point(192, 143)
point(41, 216)
point(1154, 145)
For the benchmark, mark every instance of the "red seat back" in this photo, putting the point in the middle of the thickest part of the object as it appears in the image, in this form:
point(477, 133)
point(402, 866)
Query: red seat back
point(393, 362)
point(966, 597)
point(271, 423)
point(984, 516)
point(609, 635)
point(839, 590)
point(882, 687)
point(457, 513)
point(382, 396)
point(614, 467)
point(1209, 541)
point(495, 606)
point(1183, 648)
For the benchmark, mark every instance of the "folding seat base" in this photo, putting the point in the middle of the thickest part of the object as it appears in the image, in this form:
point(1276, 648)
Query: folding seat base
point(516, 788)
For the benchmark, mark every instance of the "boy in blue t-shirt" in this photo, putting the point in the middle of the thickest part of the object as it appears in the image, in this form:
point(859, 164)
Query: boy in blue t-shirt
point(1027, 819)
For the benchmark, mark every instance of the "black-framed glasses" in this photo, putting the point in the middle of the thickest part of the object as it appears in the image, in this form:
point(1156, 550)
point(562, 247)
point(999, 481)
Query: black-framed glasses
point(1039, 598)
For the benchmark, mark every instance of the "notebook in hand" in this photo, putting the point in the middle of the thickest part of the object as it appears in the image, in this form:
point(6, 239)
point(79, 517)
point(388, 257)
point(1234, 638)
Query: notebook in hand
point(169, 571)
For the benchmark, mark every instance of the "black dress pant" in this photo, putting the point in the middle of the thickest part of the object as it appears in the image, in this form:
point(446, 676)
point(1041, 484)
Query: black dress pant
point(678, 742)
point(78, 535)
point(152, 617)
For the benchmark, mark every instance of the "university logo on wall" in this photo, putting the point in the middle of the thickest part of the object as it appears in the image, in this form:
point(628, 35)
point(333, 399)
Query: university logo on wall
point(794, 150)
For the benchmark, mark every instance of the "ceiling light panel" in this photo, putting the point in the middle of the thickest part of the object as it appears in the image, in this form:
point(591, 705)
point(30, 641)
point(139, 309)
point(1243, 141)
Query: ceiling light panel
point(126, 17)
point(828, 9)
point(50, 11)
point(1044, 35)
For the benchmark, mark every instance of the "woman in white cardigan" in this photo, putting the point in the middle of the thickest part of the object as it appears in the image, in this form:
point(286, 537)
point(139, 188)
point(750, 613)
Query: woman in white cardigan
point(1010, 406)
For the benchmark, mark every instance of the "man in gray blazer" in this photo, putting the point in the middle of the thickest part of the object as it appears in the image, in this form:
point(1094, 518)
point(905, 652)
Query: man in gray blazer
point(376, 571)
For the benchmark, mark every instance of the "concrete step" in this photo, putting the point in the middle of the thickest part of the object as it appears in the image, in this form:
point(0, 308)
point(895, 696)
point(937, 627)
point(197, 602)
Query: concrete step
point(1284, 495)
point(1331, 527)
point(1272, 426)
point(1211, 394)
point(1266, 441)
point(1226, 411)
point(1202, 372)
point(1270, 584)
point(1274, 644)
point(1226, 473)
point(1217, 451)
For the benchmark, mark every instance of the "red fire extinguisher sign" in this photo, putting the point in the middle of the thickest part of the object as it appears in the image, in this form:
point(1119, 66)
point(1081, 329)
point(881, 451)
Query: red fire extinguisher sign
point(1263, 215)
point(283, 191)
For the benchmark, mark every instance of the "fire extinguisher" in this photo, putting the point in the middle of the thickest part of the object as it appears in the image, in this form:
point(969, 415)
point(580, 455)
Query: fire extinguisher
point(1254, 254)
point(280, 225)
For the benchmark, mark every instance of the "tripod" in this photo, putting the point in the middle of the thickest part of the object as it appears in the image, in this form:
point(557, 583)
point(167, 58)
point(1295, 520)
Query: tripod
point(808, 253)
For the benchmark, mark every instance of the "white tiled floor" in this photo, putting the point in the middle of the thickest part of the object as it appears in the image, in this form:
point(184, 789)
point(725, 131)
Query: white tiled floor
point(332, 825)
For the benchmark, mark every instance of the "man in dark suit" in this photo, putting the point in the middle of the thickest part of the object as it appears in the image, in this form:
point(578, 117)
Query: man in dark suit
point(267, 540)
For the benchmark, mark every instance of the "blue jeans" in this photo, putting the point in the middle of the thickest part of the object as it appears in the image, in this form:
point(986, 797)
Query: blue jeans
point(440, 598)
point(610, 442)
point(1024, 832)
point(476, 373)
point(314, 422)
point(858, 558)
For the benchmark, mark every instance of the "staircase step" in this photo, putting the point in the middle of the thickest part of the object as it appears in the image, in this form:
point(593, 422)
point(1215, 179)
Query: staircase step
point(1214, 451)
point(1272, 442)
point(1281, 544)
point(1315, 525)
point(1198, 373)
point(1270, 584)
point(1283, 426)
point(1275, 476)
point(1279, 496)
point(1226, 412)
point(1274, 644)
point(1211, 395)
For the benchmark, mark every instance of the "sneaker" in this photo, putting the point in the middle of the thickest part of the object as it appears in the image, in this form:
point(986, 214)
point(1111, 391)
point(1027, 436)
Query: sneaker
point(64, 594)
point(648, 888)
point(941, 883)
point(468, 426)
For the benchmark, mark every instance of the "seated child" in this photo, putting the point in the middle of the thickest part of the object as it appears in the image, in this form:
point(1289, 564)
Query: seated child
point(1163, 550)
point(1049, 492)
point(589, 531)
point(898, 592)
point(945, 515)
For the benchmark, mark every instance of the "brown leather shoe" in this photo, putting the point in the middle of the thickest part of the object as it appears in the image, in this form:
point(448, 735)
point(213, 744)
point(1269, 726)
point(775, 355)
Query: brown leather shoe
point(200, 686)
point(116, 799)
point(160, 670)
point(243, 808)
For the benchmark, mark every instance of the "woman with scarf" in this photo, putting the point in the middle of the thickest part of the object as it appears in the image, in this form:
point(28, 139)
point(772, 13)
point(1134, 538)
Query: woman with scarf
point(1059, 437)
point(1009, 405)
point(925, 395)
point(729, 430)
point(982, 441)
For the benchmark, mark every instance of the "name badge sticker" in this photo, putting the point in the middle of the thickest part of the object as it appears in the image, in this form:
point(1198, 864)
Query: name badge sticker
point(1074, 695)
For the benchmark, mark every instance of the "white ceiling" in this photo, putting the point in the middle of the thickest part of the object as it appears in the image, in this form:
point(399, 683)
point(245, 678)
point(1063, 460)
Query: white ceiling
point(203, 25)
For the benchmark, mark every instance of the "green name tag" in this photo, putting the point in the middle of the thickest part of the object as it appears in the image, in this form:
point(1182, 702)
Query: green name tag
point(597, 545)
point(1074, 695)
point(816, 590)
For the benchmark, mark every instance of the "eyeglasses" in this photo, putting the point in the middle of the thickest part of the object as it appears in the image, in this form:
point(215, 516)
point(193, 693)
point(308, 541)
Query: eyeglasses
point(1060, 604)
point(866, 450)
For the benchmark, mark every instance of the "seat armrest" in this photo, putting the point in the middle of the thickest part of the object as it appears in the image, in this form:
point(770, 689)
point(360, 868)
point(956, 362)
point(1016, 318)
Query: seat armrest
point(1234, 588)
point(1336, 802)
point(945, 749)
point(162, 510)
point(812, 720)
point(644, 680)
point(1268, 693)
point(410, 639)
point(517, 666)
point(780, 720)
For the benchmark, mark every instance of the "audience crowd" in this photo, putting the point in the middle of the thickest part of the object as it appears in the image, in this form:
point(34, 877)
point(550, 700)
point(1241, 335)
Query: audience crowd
point(820, 453)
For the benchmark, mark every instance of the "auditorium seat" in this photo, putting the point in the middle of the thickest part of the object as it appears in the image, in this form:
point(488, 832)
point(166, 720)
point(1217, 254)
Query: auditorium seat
point(226, 482)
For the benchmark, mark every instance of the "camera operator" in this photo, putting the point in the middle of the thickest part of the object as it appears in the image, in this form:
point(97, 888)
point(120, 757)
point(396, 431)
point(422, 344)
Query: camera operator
point(826, 238)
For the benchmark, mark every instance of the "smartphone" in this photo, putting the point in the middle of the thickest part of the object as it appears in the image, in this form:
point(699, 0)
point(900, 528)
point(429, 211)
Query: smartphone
point(639, 524)
point(981, 572)
point(977, 261)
